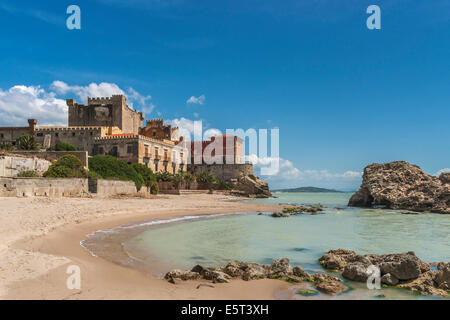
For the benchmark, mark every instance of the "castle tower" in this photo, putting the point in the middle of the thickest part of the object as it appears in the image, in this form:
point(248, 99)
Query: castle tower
point(105, 112)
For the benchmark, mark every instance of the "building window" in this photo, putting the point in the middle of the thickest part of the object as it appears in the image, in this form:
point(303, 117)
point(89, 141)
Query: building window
point(39, 134)
point(100, 150)
point(2, 136)
point(174, 167)
point(91, 133)
point(57, 134)
point(73, 134)
point(154, 133)
point(114, 151)
point(129, 149)
point(156, 165)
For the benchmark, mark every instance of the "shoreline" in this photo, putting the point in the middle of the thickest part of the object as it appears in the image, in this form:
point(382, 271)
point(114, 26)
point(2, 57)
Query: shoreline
point(35, 261)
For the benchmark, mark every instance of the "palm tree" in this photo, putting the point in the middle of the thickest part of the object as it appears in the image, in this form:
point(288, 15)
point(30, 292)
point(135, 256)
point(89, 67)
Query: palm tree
point(27, 142)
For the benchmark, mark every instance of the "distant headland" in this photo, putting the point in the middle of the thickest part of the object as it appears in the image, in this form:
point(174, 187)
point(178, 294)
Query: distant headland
point(308, 189)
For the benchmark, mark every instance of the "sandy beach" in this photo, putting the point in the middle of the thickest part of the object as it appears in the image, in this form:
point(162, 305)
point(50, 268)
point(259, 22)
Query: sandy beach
point(40, 238)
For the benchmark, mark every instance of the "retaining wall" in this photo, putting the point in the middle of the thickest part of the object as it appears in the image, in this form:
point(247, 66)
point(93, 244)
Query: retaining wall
point(47, 187)
point(112, 187)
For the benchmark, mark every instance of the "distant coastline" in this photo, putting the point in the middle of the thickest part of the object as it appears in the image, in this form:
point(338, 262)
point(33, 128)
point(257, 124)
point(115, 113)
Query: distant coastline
point(308, 189)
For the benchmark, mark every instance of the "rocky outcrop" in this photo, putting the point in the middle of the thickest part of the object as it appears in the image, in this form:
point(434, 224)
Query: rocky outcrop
point(279, 269)
point(403, 270)
point(400, 185)
point(251, 186)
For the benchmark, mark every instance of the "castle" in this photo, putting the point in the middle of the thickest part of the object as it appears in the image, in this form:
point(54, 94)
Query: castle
point(107, 126)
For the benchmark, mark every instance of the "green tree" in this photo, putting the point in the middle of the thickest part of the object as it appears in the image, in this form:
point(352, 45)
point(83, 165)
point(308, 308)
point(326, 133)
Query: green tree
point(64, 146)
point(27, 142)
point(109, 167)
point(205, 177)
point(67, 166)
point(148, 177)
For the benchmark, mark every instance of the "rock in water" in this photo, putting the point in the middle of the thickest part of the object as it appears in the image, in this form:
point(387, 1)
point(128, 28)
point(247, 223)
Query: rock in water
point(389, 279)
point(442, 278)
point(331, 287)
point(403, 266)
point(356, 271)
point(401, 185)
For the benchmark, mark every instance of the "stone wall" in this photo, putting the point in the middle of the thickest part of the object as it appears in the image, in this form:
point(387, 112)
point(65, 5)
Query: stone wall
point(223, 171)
point(31, 187)
point(55, 155)
point(11, 165)
point(111, 187)
point(49, 187)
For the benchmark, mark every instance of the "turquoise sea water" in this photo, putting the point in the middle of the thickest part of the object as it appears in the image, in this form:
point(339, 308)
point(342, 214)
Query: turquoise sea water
point(302, 238)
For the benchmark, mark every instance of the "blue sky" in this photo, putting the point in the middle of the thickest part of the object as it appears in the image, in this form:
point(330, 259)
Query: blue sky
point(341, 95)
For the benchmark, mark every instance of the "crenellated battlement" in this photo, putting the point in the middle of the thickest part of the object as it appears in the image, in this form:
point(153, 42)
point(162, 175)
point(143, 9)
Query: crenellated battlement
point(107, 100)
point(43, 128)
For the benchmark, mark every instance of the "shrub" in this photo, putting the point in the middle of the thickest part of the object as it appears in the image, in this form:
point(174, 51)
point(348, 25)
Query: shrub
point(93, 175)
point(28, 174)
point(176, 180)
point(27, 142)
point(64, 146)
point(164, 177)
point(67, 166)
point(154, 189)
point(222, 184)
point(109, 167)
point(6, 146)
point(187, 177)
point(205, 177)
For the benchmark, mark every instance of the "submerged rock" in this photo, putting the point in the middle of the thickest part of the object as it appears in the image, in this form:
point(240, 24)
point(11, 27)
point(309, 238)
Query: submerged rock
point(400, 185)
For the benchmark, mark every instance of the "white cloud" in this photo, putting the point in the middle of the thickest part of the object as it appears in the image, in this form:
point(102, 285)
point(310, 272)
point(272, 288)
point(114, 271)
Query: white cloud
point(105, 89)
point(289, 176)
point(196, 100)
point(187, 128)
point(20, 103)
point(442, 171)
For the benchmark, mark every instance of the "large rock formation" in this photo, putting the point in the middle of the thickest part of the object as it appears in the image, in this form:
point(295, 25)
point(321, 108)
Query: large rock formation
point(400, 185)
point(251, 186)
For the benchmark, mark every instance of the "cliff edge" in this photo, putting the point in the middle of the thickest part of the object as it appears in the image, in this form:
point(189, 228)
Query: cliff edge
point(401, 185)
